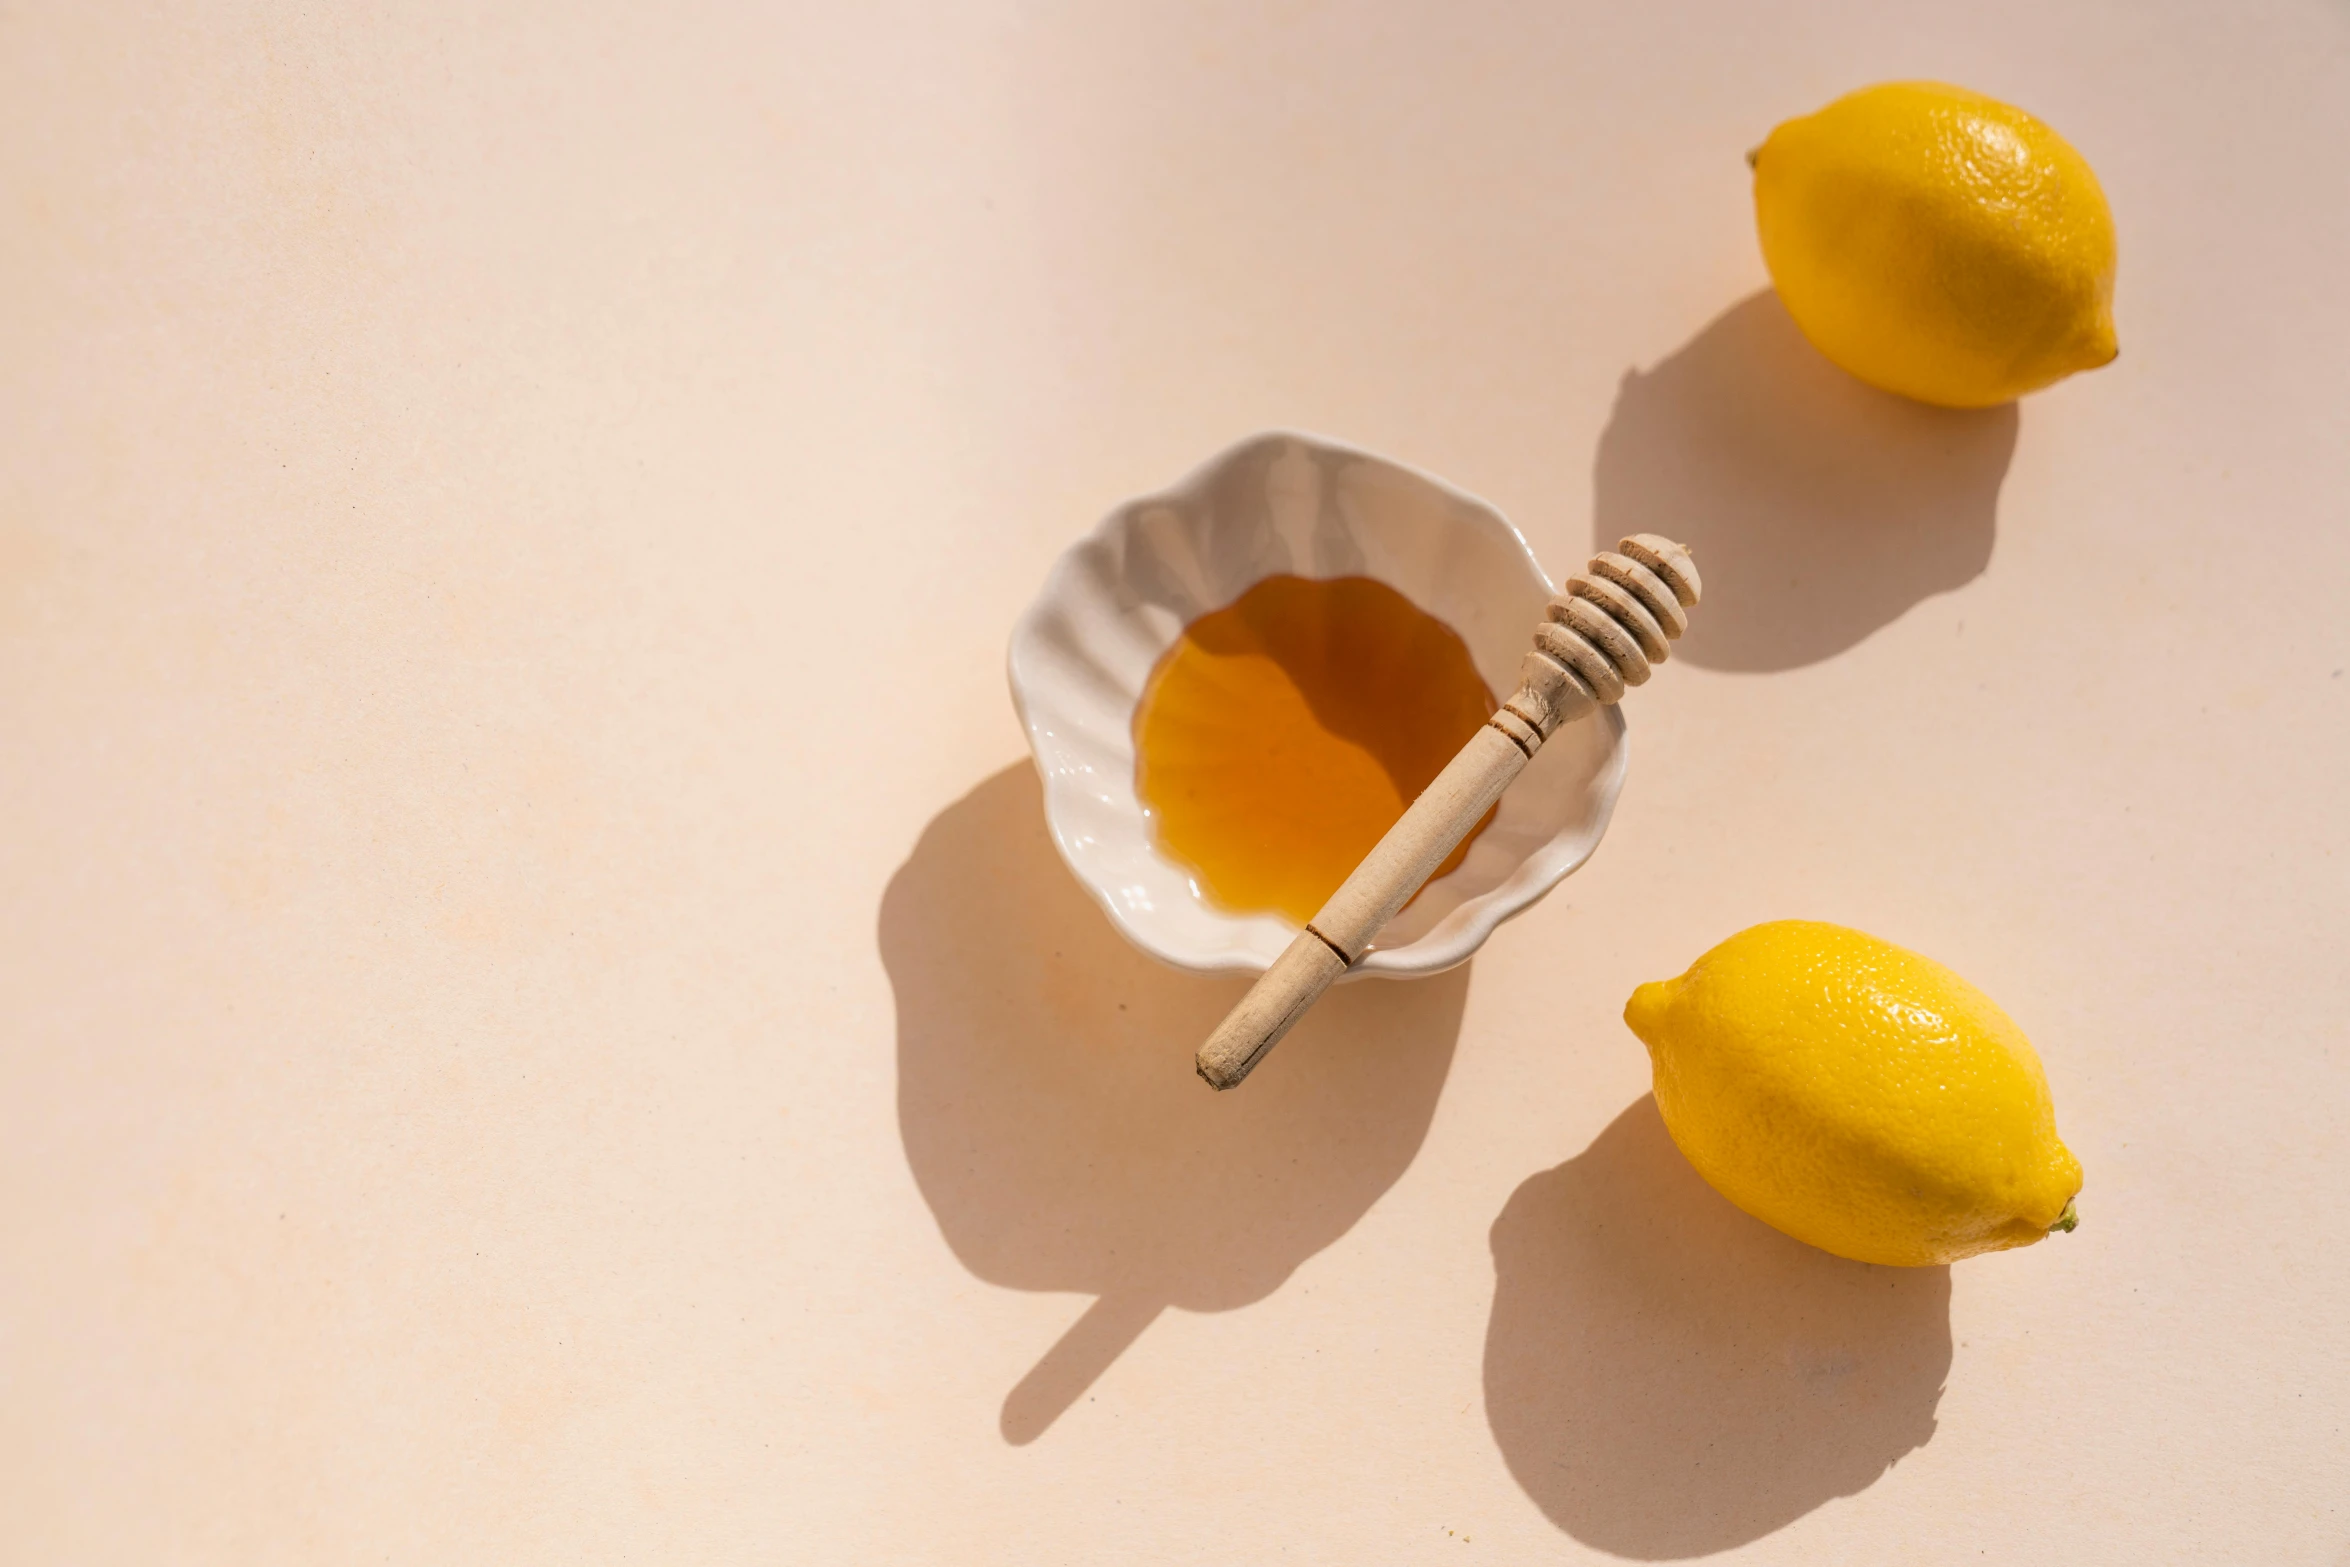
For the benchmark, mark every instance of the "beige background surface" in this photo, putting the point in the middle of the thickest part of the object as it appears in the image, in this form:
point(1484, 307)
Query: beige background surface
point(526, 1040)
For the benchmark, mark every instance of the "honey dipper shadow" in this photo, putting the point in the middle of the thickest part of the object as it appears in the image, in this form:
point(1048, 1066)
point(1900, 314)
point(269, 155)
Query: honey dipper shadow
point(1055, 1126)
point(1667, 1377)
point(1819, 508)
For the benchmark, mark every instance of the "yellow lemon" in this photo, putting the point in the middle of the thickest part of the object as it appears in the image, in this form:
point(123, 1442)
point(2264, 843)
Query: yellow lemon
point(1857, 1096)
point(1938, 243)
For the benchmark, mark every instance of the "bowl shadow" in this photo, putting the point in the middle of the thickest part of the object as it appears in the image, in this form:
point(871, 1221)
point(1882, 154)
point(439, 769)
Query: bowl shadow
point(1819, 508)
point(1055, 1127)
point(1667, 1377)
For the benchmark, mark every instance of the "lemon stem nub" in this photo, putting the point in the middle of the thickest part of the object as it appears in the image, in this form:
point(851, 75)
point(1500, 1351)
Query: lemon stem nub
point(2066, 1221)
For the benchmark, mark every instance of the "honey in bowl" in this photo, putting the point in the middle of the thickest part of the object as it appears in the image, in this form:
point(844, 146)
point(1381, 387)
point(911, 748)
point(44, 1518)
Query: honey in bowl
point(1282, 735)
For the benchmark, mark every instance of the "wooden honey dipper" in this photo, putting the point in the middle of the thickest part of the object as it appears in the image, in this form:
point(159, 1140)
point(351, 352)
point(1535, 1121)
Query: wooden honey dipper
point(1599, 636)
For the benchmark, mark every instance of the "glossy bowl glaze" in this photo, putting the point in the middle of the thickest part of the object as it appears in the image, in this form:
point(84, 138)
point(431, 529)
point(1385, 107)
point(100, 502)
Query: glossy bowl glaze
point(1277, 503)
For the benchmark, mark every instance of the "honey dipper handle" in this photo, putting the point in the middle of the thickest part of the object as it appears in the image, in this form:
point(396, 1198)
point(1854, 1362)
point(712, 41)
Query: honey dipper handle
point(1337, 937)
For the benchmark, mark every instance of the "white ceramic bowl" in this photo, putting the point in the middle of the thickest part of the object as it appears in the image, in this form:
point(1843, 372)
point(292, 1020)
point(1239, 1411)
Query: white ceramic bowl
point(1277, 503)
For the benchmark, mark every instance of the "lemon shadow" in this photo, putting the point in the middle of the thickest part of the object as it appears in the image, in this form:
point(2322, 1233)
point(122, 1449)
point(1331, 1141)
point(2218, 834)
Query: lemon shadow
point(1819, 508)
point(1667, 1377)
point(1054, 1124)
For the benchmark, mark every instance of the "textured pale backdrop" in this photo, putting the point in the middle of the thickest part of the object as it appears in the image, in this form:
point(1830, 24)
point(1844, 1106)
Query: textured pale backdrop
point(536, 1024)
